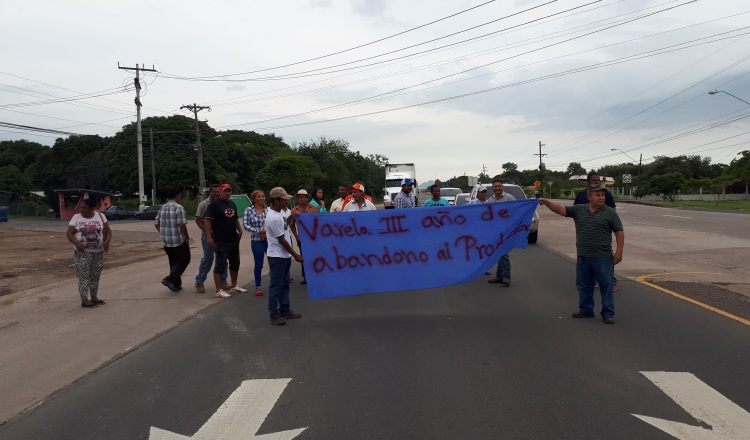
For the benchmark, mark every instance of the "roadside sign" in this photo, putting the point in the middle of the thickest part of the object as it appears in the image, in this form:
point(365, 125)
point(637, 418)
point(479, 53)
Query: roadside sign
point(537, 183)
point(627, 178)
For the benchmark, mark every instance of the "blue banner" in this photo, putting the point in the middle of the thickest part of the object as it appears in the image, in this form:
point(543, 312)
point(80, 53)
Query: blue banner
point(351, 253)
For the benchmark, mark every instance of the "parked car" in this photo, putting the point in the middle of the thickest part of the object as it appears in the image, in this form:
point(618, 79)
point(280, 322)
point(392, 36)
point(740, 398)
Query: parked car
point(149, 213)
point(462, 199)
point(119, 212)
point(517, 192)
point(450, 194)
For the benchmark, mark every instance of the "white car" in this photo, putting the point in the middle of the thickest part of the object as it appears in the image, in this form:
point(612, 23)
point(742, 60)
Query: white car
point(518, 193)
point(450, 194)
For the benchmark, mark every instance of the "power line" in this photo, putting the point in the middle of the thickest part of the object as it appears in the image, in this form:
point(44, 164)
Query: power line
point(307, 73)
point(341, 51)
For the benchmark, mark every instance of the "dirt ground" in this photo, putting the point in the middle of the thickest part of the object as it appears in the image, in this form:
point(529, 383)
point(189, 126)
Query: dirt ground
point(32, 258)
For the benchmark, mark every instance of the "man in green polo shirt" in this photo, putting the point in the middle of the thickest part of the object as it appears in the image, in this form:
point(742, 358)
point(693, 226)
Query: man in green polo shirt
point(595, 222)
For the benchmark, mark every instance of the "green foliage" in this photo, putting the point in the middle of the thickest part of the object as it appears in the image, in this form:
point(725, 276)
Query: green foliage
point(289, 172)
point(21, 153)
point(665, 184)
point(739, 169)
point(690, 167)
point(14, 181)
point(575, 169)
point(509, 166)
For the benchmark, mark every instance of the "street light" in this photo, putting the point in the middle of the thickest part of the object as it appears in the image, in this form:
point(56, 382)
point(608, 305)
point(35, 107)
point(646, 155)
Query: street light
point(639, 161)
point(713, 92)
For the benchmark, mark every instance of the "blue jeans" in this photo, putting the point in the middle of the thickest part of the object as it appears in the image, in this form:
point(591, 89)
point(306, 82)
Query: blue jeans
point(591, 270)
point(503, 267)
point(259, 248)
point(206, 262)
point(278, 289)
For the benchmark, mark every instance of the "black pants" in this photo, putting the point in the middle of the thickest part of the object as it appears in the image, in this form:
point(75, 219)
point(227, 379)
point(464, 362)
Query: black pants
point(179, 258)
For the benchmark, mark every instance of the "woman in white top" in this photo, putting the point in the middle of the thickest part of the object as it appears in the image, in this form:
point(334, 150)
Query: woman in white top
point(90, 234)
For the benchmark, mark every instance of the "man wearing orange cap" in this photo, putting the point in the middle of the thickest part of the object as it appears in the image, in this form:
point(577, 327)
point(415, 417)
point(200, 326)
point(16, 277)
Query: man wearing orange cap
point(223, 233)
point(350, 197)
point(359, 202)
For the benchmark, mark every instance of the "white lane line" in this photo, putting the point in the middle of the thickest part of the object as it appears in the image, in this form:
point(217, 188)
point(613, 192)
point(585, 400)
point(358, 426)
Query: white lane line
point(675, 216)
point(727, 420)
point(240, 416)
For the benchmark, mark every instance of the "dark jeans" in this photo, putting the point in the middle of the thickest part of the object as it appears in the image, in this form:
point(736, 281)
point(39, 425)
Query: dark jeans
point(278, 289)
point(227, 251)
point(589, 271)
point(206, 262)
point(503, 267)
point(179, 258)
point(259, 248)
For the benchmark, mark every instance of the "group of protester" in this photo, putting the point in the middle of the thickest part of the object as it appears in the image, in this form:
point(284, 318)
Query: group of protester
point(271, 229)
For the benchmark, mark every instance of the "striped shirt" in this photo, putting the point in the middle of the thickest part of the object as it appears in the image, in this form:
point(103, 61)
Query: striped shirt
point(170, 216)
point(594, 230)
point(253, 222)
point(403, 200)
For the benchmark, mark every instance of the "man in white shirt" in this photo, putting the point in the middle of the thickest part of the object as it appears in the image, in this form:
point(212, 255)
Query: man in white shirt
point(360, 203)
point(280, 253)
point(337, 205)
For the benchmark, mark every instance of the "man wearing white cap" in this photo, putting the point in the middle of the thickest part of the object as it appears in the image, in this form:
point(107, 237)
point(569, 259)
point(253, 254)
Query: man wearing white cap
point(404, 199)
point(303, 207)
point(280, 254)
point(359, 202)
point(481, 195)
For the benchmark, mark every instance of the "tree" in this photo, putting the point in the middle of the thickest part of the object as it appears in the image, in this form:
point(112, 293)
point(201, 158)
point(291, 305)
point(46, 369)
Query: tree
point(14, 181)
point(21, 153)
point(289, 172)
point(739, 169)
point(575, 169)
point(665, 184)
point(509, 166)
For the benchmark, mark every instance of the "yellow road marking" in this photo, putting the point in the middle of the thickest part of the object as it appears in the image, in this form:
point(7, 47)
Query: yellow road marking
point(642, 279)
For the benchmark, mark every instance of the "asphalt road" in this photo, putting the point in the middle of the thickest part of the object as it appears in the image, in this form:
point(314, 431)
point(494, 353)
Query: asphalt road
point(473, 361)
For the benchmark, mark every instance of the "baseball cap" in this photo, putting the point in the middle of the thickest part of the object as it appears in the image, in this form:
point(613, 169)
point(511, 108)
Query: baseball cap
point(358, 187)
point(407, 181)
point(302, 192)
point(279, 192)
point(593, 188)
point(224, 186)
point(481, 188)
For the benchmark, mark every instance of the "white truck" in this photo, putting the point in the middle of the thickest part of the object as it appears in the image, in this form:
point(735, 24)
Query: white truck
point(394, 174)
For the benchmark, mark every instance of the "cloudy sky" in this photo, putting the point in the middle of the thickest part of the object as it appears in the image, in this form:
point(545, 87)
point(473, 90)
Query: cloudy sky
point(453, 86)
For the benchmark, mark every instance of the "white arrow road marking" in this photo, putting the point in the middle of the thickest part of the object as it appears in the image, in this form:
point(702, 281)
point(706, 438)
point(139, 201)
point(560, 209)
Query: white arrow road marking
point(727, 420)
point(240, 416)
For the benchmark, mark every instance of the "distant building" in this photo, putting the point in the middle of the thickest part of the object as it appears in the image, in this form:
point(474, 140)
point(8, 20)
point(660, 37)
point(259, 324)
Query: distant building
point(70, 200)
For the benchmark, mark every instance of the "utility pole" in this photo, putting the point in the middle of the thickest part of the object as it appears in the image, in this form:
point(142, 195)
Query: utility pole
point(139, 135)
point(541, 165)
point(153, 168)
point(195, 108)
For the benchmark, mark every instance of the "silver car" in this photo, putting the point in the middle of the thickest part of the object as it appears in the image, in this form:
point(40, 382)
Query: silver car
point(518, 193)
point(450, 194)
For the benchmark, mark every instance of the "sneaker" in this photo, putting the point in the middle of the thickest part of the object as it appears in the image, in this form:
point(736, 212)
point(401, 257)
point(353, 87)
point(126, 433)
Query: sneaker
point(581, 315)
point(222, 294)
point(304, 281)
point(494, 280)
point(278, 320)
point(258, 292)
point(505, 282)
point(614, 287)
point(200, 288)
point(238, 289)
point(608, 320)
point(170, 286)
point(291, 315)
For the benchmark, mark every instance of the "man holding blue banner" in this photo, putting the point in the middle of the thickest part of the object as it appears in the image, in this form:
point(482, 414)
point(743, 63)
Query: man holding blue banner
point(280, 253)
point(503, 265)
point(595, 223)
